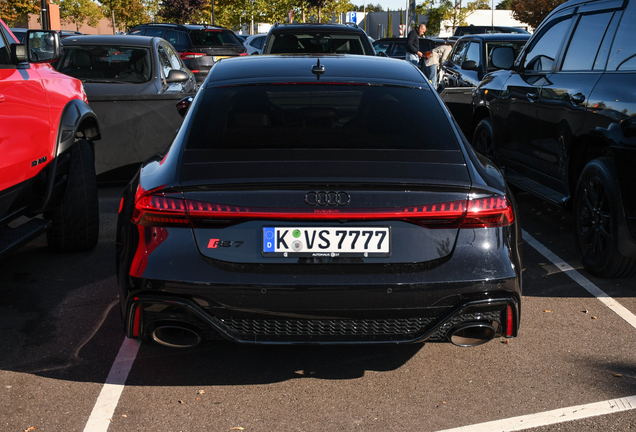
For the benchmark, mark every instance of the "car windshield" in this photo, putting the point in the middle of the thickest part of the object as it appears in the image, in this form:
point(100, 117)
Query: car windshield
point(213, 38)
point(106, 63)
point(318, 116)
point(315, 43)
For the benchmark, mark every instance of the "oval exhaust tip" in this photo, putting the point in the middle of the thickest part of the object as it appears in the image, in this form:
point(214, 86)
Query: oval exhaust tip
point(175, 336)
point(472, 334)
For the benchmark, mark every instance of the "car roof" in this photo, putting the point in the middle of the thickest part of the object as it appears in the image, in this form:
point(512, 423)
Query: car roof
point(130, 40)
point(399, 39)
point(301, 27)
point(497, 37)
point(179, 26)
point(340, 68)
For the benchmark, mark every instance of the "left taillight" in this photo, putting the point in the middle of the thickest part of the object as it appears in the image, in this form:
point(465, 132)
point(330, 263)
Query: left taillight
point(157, 211)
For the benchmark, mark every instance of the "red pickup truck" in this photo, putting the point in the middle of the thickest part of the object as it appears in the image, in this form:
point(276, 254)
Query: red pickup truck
point(47, 135)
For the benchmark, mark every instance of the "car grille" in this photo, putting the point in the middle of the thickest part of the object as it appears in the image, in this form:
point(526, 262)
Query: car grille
point(325, 327)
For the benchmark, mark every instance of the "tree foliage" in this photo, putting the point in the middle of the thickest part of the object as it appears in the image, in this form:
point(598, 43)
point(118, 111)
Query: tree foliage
point(80, 12)
point(533, 11)
point(451, 11)
point(181, 11)
point(505, 5)
point(12, 10)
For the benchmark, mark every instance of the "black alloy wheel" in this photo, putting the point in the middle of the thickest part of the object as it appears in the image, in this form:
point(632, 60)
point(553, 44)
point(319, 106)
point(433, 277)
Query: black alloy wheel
point(483, 139)
point(596, 212)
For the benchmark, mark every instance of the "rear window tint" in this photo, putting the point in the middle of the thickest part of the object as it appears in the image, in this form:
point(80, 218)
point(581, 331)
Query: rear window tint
point(211, 37)
point(299, 116)
point(316, 43)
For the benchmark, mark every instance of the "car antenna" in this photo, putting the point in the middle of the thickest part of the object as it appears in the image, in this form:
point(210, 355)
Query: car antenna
point(318, 69)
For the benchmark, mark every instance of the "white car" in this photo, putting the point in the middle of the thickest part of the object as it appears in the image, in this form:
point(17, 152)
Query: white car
point(255, 43)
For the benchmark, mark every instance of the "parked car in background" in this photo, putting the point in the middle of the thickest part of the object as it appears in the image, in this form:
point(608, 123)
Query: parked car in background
point(200, 46)
point(47, 142)
point(473, 29)
point(132, 83)
point(298, 204)
point(124, 64)
point(21, 32)
point(561, 124)
point(396, 47)
point(466, 66)
point(317, 39)
point(254, 43)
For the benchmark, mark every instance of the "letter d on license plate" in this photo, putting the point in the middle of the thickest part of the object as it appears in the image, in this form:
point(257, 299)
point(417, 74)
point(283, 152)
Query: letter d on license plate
point(326, 241)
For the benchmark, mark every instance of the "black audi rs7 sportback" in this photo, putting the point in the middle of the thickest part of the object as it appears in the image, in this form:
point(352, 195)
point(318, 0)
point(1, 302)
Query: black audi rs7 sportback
point(318, 199)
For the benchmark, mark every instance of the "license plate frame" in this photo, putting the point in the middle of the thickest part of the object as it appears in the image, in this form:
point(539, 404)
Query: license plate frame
point(326, 241)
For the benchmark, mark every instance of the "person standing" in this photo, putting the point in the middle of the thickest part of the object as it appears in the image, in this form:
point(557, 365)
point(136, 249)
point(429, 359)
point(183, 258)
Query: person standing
point(413, 53)
point(434, 59)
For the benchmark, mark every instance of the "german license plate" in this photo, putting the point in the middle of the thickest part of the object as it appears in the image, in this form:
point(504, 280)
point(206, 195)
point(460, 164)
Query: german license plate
point(326, 242)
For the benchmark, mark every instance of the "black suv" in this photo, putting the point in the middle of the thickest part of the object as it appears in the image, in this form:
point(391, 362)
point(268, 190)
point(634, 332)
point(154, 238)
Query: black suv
point(561, 124)
point(317, 39)
point(473, 29)
point(199, 46)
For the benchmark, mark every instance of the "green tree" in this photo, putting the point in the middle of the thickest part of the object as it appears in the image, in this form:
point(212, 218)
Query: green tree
point(533, 11)
point(14, 10)
point(505, 5)
point(80, 12)
point(181, 11)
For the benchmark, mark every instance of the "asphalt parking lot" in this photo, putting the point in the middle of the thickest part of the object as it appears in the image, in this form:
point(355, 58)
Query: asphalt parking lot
point(62, 335)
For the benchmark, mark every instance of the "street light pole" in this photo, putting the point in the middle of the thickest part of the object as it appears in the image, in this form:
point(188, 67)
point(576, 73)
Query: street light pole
point(44, 15)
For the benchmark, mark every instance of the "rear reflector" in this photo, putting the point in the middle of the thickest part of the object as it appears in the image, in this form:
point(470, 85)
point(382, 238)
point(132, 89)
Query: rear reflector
point(243, 54)
point(509, 322)
point(156, 210)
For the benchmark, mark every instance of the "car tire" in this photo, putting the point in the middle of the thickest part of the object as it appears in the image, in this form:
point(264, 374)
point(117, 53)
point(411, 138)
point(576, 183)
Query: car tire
point(596, 211)
point(75, 220)
point(483, 139)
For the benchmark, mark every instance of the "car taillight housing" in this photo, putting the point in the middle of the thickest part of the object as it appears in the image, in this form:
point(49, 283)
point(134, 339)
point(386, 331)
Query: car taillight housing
point(191, 55)
point(157, 210)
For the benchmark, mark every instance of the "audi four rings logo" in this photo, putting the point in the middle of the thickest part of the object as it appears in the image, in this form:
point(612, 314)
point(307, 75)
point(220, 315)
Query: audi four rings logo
point(327, 198)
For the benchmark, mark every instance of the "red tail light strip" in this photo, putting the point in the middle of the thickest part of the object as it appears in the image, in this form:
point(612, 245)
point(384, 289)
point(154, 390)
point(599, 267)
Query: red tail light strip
point(155, 210)
point(191, 55)
point(509, 321)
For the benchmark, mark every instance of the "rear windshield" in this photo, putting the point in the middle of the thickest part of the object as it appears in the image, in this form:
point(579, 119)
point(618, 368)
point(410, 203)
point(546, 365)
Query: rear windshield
point(106, 63)
point(315, 43)
point(302, 116)
point(213, 38)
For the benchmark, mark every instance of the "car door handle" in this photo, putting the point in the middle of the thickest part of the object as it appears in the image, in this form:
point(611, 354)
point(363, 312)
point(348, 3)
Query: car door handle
point(1, 98)
point(577, 98)
point(532, 97)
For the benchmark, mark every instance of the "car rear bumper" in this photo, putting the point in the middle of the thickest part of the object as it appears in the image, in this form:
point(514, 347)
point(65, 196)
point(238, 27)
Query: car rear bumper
point(494, 304)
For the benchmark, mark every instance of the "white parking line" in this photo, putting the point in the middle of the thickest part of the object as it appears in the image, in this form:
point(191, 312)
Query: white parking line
point(581, 280)
point(104, 408)
point(552, 417)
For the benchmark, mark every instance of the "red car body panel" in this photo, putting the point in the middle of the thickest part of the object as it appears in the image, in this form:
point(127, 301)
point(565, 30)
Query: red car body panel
point(32, 101)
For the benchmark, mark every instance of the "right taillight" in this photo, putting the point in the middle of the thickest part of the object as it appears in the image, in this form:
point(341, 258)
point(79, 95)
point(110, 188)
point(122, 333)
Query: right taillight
point(488, 212)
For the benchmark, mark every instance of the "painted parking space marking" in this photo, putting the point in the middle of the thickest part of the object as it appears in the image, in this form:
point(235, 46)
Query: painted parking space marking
point(108, 398)
point(552, 417)
point(577, 277)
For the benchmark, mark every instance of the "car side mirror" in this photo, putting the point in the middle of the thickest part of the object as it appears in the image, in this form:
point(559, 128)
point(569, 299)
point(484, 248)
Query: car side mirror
point(176, 75)
point(183, 105)
point(43, 46)
point(469, 65)
point(40, 46)
point(502, 57)
point(382, 54)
